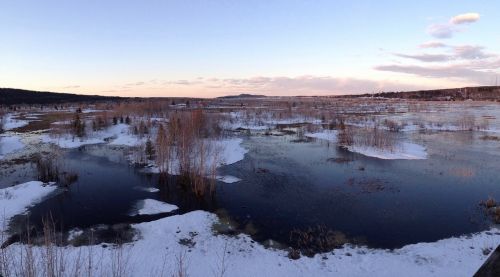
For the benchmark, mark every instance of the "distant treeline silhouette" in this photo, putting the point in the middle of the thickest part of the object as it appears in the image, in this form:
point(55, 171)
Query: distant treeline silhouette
point(11, 96)
point(488, 93)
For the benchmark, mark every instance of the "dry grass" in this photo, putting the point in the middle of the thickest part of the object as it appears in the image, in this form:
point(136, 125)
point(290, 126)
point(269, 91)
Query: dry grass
point(316, 240)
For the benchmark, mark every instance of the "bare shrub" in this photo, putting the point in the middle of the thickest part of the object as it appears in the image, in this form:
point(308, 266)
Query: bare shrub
point(466, 122)
point(181, 262)
point(392, 125)
point(2, 121)
point(47, 168)
point(374, 137)
point(221, 269)
point(78, 125)
point(346, 135)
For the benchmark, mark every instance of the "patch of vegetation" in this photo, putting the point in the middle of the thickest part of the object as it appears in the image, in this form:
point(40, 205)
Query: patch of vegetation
point(316, 240)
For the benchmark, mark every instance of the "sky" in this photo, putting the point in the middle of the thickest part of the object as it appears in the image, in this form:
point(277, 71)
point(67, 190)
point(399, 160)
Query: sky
point(211, 48)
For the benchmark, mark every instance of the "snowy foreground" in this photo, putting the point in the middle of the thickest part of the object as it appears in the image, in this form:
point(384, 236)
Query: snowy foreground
point(15, 200)
point(159, 244)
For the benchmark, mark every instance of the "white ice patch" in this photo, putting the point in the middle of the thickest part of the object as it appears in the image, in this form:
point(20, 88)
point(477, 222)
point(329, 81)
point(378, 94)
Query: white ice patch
point(148, 189)
point(403, 151)
point(151, 206)
point(10, 144)
point(228, 179)
point(232, 150)
point(330, 135)
point(15, 200)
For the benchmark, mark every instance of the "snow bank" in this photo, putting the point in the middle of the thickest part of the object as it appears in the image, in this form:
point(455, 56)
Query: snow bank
point(10, 144)
point(15, 200)
point(151, 206)
point(403, 151)
point(190, 235)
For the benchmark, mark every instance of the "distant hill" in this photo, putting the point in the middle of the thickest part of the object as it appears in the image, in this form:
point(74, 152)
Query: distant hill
point(11, 96)
point(488, 93)
point(243, 95)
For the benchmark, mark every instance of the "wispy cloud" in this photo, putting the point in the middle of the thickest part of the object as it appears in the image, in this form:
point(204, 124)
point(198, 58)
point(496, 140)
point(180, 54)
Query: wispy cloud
point(447, 30)
point(426, 57)
point(71, 87)
point(448, 71)
point(461, 52)
point(465, 18)
point(468, 63)
point(470, 52)
point(441, 30)
point(280, 85)
point(432, 44)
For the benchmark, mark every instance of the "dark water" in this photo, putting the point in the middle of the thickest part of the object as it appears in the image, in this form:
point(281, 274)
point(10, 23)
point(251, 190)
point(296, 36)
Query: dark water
point(389, 204)
point(287, 186)
point(106, 192)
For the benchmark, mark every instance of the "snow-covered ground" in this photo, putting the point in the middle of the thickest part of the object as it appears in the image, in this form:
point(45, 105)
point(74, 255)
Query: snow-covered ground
point(116, 135)
point(9, 144)
point(151, 206)
point(402, 151)
point(160, 243)
point(11, 123)
point(15, 200)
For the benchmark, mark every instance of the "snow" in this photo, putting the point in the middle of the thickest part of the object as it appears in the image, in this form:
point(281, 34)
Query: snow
point(90, 111)
point(228, 179)
point(263, 121)
point(10, 144)
point(74, 233)
point(223, 152)
point(232, 151)
point(15, 200)
point(403, 151)
point(11, 123)
point(148, 189)
point(68, 141)
point(330, 135)
point(151, 206)
point(118, 134)
point(160, 243)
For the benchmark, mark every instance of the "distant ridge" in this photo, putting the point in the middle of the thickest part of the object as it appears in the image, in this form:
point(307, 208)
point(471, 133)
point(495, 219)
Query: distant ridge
point(11, 96)
point(487, 93)
point(242, 95)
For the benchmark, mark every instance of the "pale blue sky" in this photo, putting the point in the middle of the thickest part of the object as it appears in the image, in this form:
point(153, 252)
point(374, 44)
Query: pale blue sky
point(207, 48)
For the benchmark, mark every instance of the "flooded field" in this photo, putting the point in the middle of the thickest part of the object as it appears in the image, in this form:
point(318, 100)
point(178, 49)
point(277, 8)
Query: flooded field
point(310, 183)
